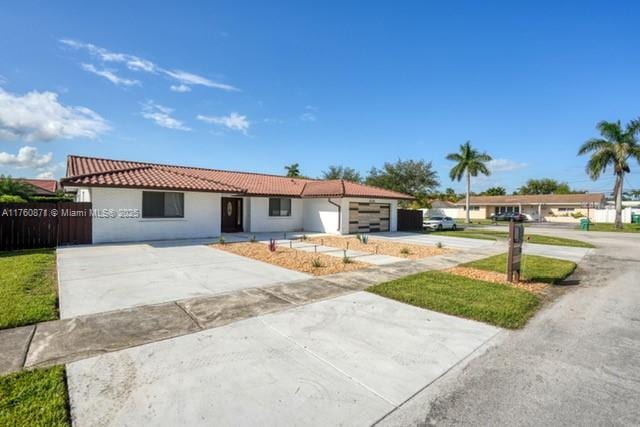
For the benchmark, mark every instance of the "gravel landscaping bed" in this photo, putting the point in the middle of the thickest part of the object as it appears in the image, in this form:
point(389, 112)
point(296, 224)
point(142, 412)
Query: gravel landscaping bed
point(292, 259)
point(384, 247)
point(494, 277)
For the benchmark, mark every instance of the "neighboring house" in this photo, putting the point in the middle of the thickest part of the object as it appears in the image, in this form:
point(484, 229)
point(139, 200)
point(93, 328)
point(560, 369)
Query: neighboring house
point(542, 207)
point(42, 187)
point(174, 202)
point(442, 208)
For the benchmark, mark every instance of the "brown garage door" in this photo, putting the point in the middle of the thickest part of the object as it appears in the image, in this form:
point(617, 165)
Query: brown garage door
point(368, 217)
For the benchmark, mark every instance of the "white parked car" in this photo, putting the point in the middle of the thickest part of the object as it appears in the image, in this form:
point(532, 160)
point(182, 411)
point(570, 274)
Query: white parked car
point(439, 223)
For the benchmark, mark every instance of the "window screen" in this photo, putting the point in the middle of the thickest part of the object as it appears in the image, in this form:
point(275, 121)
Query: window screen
point(156, 204)
point(279, 207)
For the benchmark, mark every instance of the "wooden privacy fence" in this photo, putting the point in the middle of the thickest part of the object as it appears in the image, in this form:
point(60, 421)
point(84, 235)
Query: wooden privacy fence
point(409, 220)
point(39, 225)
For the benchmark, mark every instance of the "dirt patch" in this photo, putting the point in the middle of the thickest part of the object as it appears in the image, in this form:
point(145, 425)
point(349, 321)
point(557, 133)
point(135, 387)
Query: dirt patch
point(492, 276)
point(292, 259)
point(383, 247)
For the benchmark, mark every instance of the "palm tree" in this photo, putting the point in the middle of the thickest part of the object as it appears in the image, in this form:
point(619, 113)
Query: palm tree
point(614, 150)
point(293, 170)
point(13, 187)
point(470, 162)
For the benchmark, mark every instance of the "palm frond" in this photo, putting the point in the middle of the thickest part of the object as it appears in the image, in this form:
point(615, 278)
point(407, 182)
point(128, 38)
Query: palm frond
point(594, 144)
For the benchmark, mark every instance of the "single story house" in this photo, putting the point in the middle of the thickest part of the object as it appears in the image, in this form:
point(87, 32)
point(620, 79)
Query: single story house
point(42, 187)
point(136, 201)
point(538, 207)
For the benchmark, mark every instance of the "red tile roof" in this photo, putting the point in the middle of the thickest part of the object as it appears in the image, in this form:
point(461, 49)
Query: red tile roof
point(569, 199)
point(94, 172)
point(44, 187)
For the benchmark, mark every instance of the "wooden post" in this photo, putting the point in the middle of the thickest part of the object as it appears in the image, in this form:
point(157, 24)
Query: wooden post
point(516, 234)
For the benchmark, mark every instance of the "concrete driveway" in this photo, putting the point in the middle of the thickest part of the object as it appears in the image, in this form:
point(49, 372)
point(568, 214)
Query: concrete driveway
point(99, 278)
point(432, 240)
point(348, 360)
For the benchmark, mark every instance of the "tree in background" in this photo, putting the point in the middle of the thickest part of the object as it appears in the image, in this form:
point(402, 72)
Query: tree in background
point(342, 172)
point(614, 150)
point(293, 170)
point(469, 162)
point(631, 195)
point(15, 188)
point(414, 177)
point(495, 191)
point(544, 186)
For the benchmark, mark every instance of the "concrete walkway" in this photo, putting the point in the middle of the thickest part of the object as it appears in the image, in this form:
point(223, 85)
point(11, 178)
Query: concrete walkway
point(77, 338)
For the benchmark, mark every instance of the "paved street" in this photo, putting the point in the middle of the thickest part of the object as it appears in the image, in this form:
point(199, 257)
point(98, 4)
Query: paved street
point(576, 362)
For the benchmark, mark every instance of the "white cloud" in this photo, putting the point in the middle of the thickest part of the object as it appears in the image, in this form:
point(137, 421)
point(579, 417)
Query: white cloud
point(27, 157)
point(45, 175)
point(505, 165)
point(194, 79)
point(180, 88)
point(233, 121)
point(162, 116)
point(136, 63)
point(109, 75)
point(309, 114)
point(38, 116)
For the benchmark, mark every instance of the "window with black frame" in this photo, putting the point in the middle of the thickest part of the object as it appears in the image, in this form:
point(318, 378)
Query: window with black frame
point(279, 207)
point(157, 204)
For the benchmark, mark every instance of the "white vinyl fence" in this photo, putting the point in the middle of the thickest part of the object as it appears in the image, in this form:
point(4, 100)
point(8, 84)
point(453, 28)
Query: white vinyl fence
point(609, 215)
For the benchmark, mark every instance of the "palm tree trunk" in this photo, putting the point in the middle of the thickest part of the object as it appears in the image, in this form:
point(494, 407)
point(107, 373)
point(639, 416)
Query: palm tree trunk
point(467, 201)
point(618, 196)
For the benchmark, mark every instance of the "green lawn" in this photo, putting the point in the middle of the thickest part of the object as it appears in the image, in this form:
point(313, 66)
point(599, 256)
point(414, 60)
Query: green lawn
point(475, 233)
point(34, 398)
point(626, 228)
point(28, 291)
point(534, 268)
point(493, 303)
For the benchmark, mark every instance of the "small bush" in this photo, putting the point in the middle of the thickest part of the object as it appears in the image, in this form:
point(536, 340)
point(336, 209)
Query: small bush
point(304, 237)
point(221, 240)
point(365, 239)
point(315, 263)
point(439, 245)
point(272, 245)
point(9, 198)
point(405, 251)
point(346, 260)
point(253, 239)
point(577, 215)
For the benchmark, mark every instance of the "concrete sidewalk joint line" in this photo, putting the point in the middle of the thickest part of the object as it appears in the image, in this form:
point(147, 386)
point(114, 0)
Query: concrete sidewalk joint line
point(326, 362)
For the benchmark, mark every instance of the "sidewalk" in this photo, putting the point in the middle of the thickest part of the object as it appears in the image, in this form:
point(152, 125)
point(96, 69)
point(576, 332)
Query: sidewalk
point(63, 341)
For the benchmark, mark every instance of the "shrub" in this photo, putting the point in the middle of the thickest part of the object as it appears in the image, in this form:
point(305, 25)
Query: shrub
point(346, 260)
point(577, 215)
point(364, 238)
point(315, 263)
point(405, 251)
point(221, 240)
point(272, 245)
point(439, 245)
point(253, 239)
point(10, 198)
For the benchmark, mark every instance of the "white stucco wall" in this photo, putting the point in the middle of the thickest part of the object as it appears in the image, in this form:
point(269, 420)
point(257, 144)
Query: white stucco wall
point(320, 215)
point(393, 208)
point(261, 221)
point(201, 217)
point(83, 195)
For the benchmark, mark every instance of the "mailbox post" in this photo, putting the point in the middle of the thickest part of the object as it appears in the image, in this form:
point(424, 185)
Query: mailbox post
point(516, 237)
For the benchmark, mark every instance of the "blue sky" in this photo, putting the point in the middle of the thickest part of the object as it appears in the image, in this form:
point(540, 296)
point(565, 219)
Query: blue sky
point(254, 86)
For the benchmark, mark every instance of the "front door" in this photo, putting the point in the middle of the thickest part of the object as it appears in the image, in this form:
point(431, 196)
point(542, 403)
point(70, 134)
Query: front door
point(231, 214)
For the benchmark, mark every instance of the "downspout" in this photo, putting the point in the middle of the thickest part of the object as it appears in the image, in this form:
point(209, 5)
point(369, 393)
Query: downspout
point(339, 212)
